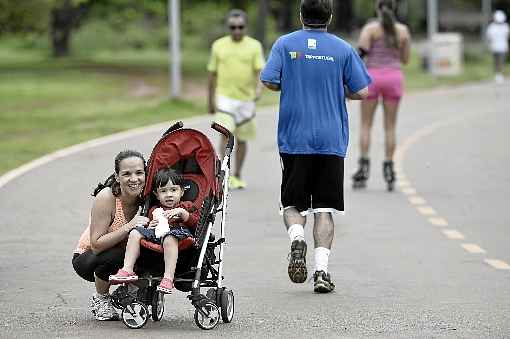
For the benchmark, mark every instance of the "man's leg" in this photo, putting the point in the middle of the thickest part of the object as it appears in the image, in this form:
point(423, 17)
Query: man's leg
point(244, 133)
point(242, 147)
point(291, 217)
point(323, 230)
point(323, 234)
point(294, 222)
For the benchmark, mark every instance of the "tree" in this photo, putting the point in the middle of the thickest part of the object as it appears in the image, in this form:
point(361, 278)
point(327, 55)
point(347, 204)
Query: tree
point(284, 13)
point(343, 15)
point(240, 4)
point(24, 16)
point(64, 17)
point(260, 30)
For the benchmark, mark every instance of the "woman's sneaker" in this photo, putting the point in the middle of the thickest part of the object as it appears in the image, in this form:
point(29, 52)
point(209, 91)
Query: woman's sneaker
point(165, 286)
point(102, 309)
point(122, 277)
point(297, 262)
point(322, 282)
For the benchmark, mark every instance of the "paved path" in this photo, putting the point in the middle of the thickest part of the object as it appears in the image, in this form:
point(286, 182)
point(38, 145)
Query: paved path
point(398, 261)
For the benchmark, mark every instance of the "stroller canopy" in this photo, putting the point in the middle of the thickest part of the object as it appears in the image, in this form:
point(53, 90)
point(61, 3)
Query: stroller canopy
point(189, 152)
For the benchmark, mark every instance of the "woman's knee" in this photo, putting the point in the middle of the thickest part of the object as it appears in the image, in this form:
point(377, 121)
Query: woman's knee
point(83, 267)
point(109, 262)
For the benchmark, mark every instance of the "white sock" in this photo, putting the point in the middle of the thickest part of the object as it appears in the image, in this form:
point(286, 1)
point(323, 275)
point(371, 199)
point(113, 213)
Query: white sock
point(321, 255)
point(296, 232)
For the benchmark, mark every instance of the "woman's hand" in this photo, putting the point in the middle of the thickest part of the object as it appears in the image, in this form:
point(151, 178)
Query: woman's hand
point(138, 220)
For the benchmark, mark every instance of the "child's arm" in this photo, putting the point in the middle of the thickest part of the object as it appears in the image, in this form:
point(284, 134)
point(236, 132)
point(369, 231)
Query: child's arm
point(189, 219)
point(192, 219)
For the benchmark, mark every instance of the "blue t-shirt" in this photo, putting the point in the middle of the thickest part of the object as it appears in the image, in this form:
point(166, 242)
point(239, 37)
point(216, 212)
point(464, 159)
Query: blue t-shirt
point(312, 67)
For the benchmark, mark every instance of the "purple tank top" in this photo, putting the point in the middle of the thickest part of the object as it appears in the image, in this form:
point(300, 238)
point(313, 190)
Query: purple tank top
point(382, 56)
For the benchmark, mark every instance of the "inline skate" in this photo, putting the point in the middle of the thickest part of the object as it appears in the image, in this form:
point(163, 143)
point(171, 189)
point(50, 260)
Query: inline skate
point(361, 176)
point(389, 174)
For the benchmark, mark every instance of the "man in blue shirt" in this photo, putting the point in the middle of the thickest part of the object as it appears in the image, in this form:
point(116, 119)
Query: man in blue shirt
point(315, 72)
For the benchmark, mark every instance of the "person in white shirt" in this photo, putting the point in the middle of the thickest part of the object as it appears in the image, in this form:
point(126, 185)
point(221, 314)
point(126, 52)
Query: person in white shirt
point(497, 36)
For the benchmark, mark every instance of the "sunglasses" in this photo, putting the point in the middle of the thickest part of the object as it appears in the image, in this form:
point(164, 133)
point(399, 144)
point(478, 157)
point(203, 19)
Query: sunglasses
point(233, 28)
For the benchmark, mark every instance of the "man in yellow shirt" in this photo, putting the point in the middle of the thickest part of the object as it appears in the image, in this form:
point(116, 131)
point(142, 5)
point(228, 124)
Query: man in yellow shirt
point(234, 69)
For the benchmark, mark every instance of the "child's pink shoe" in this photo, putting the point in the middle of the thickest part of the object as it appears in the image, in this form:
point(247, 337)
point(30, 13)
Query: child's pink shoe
point(165, 286)
point(123, 277)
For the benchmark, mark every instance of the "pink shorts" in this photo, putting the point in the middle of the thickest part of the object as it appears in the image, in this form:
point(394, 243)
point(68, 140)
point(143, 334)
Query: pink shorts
point(386, 82)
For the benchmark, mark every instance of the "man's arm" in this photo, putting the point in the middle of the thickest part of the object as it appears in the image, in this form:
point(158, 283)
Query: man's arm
point(272, 86)
point(359, 95)
point(211, 99)
point(258, 86)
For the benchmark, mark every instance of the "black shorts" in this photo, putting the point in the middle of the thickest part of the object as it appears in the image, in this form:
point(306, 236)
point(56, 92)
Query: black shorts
point(312, 182)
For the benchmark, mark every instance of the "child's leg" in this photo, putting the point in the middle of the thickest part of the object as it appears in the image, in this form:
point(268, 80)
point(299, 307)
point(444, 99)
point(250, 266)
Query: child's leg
point(132, 250)
point(171, 252)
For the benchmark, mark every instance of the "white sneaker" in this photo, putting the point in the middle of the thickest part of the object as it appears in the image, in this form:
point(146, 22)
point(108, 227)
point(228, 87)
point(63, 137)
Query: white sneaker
point(499, 78)
point(101, 307)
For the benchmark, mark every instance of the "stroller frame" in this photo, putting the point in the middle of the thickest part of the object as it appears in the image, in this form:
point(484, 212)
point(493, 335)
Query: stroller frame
point(218, 301)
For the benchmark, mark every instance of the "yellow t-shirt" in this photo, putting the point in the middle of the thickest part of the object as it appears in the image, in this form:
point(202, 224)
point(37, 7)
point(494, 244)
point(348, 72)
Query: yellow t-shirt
point(236, 65)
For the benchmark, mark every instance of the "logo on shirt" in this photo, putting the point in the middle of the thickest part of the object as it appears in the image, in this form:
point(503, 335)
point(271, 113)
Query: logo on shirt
point(295, 55)
point(319, 57)
point(312, 44)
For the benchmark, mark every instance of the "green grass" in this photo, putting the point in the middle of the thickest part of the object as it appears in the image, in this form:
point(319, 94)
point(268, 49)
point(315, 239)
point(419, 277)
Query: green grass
point(48, 104)
point(477, 67)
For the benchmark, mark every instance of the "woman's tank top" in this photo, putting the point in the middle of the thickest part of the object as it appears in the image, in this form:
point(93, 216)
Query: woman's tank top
point(118, 221)
point(382, 56)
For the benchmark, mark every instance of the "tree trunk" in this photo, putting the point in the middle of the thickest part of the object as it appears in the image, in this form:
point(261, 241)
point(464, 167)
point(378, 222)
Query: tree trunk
point(62, 21)
point(239, 4)
point(260, 30)
point(343, 15)
point(286, 16)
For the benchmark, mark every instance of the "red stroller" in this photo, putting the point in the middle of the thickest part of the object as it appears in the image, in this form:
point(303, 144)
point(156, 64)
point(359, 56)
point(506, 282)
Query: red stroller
point(200, 262)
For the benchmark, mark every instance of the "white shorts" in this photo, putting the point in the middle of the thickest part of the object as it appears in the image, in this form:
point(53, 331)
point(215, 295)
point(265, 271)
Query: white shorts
point(241, 111)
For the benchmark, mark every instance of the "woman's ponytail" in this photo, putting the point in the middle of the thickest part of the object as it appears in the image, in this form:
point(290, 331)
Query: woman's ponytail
point(387, 10)
point(109, 182)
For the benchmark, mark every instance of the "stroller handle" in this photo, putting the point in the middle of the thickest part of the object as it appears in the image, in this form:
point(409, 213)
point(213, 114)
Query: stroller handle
point(230, 137)
point(174, 127)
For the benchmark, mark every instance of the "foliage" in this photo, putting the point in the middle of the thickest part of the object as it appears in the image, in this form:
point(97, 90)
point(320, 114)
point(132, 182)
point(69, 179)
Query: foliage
point(24, 16)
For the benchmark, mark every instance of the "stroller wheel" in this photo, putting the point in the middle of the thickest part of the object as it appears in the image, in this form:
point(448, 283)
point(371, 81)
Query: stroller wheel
point(135, 315)
point(158, 306)
point(211, 295)
point(207, 316)
point(227, 305)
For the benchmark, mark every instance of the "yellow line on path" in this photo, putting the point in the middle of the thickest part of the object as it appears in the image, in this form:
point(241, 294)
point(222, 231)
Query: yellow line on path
point(498, 264)
point(453, 234)
point(403, 184)
point(417, 200)
point(438, 221)
point(426, 210)
point(408, 191)
point(473, 248)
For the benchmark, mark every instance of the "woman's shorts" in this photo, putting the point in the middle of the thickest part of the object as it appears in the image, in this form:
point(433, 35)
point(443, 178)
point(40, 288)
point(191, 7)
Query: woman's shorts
point(108, 262)
point(312, 183)
point(386, 83)
point(177, 232)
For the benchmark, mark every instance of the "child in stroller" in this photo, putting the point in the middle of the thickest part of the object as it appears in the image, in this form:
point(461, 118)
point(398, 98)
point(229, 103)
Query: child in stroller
point(168, 187)
point(200, 258)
